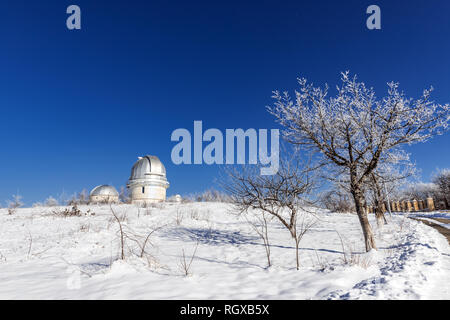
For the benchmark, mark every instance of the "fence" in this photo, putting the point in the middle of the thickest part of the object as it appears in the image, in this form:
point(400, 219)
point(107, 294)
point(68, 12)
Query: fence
point(408, 206)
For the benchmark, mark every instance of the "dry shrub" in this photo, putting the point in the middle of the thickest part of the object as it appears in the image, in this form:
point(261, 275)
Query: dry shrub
point(186, 262)
point(73, 212)
point(352, 258)
point(194, 214)
point(179, 218)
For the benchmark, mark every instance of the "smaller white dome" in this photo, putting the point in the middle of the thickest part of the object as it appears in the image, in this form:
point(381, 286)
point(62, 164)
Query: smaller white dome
point(104, 190)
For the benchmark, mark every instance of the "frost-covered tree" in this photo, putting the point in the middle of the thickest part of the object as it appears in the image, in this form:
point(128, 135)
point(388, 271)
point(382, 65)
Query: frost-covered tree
point(442, 181)
point(78, 198)
point(420, 191)
point(83, 197)
point(381, 186)
point(337, 198)
point(385, 180)
point(124, 195)
point(51, 202)
point(354, 129)
point(15, 203)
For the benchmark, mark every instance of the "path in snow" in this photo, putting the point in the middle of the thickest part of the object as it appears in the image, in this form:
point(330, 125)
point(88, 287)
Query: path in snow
point(438, 224)
point(441, 290)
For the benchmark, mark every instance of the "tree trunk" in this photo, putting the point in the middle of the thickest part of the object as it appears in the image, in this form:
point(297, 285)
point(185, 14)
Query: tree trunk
point(294, 236)
point(381, 219)
point(379, 214)
point(447, 206)
point(267, 246)
point(363, 220)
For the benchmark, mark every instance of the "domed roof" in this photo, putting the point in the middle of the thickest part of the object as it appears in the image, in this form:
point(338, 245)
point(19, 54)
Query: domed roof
point(104, 190)
point(145, 166)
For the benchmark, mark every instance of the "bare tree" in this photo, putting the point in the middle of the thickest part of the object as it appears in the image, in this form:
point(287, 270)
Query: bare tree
point(302, 226)
point(260, 224)
point(354, 129)
point(281, 195)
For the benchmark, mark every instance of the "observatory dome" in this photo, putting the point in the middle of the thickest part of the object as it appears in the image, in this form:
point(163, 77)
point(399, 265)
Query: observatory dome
point(148, 182)
point(104, 193)
point(148, 165)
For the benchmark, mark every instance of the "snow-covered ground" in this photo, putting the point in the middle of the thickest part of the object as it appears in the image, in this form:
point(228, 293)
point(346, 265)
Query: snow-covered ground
point(430, 216)
point(47, 256)
point(445, 225)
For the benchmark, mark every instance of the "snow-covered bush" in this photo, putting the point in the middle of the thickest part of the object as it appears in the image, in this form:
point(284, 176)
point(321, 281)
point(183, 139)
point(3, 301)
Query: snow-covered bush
point(15, 203)
point(210, 195)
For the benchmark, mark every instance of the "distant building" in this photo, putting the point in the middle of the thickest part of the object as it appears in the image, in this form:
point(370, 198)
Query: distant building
point(148, 183)
point(176, 198)
point(104, 194)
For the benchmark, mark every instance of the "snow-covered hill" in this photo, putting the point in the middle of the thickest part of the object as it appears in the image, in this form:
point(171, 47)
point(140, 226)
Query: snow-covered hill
point(44, 255)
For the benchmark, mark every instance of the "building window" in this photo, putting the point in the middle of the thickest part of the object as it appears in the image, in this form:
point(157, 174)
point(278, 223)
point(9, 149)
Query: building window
point(143, 189)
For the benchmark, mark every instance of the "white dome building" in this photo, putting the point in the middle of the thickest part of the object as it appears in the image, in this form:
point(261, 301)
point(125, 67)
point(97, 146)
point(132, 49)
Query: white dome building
point(148, 183)
point(104, 194)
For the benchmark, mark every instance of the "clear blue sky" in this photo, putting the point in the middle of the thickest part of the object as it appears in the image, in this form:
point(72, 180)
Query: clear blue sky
point(78, 107)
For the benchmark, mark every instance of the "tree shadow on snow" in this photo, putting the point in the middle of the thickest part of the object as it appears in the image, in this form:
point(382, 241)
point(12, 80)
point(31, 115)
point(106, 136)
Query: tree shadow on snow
point(220, 237)
point(239, 264)
point(210, 236)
